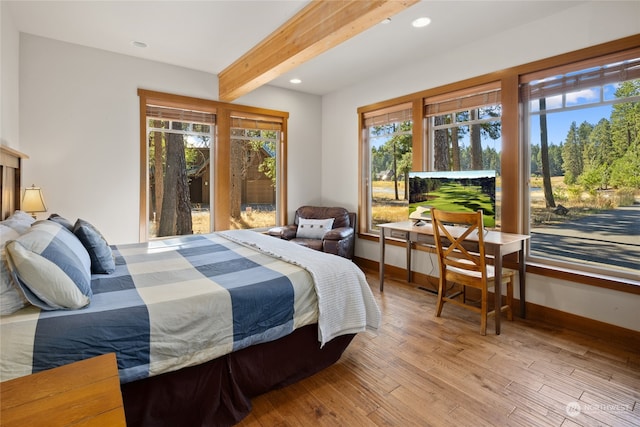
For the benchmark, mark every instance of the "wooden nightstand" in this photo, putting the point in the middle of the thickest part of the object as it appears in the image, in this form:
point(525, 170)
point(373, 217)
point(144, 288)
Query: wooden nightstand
point(85, 393)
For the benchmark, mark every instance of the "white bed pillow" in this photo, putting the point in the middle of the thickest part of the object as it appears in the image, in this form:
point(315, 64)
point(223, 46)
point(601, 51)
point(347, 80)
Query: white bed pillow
point(11, 299)
point(51, 267)
point(313, 228)
point(19, 221)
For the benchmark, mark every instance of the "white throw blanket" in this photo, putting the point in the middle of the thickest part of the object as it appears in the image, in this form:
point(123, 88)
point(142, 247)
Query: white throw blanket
point(345, 302)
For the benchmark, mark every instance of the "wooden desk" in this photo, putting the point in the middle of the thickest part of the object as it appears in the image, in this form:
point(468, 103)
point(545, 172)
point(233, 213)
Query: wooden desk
point(83, 393)
point(497, 244)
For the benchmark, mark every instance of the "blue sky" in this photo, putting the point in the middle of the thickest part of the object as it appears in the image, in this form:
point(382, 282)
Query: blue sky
point(558, 123)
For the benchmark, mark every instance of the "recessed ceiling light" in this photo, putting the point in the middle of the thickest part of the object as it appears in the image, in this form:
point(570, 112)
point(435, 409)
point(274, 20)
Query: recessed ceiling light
point(295, 81)
point(139, 44)
point(421, 22)
point(385, 21)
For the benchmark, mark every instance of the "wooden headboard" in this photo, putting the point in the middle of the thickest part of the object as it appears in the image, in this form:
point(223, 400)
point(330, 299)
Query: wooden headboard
point(10, 169)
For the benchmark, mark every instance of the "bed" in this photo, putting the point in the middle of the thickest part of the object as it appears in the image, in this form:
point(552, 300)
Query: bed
point(200, 324)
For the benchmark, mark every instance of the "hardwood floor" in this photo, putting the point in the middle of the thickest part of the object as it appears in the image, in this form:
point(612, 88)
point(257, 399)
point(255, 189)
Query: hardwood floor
point(426, 371)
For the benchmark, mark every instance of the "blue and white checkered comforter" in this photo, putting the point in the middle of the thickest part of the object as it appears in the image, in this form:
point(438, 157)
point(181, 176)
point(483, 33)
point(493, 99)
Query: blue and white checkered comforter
point(183, 301)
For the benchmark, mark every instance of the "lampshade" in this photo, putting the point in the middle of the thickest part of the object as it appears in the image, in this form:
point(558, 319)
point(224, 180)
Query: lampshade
point(32, 201)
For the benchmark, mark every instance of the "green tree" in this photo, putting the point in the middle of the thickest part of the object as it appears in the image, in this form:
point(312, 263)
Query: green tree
point(534, 160)
point(491, 159)
point(625, 170)
point(625, 137)
point(401, 146)
point(405, 164)
point(266, 143)
point(572, 152)
point(625, 119)
point(477, 133)
point(395, 153)
point(555, 160)
point(380, 161)
point(594, 178)
point(597, 157)
point(599, 147)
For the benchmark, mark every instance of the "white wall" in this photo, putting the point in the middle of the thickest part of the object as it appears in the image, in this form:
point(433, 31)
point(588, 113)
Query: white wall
point(79, 123)
point(9, 71)
point(581, 26)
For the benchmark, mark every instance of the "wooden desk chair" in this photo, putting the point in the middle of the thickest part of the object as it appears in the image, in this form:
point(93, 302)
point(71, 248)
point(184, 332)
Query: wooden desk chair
point(464, 266)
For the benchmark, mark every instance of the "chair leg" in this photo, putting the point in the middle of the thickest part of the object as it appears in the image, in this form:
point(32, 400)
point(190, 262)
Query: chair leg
point(483, 312)
point(440, 303)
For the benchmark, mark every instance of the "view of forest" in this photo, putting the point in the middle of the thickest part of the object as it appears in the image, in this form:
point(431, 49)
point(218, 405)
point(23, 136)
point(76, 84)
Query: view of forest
point(595, 167)
point(179, 201)
point(599, 163)
point(464, 140)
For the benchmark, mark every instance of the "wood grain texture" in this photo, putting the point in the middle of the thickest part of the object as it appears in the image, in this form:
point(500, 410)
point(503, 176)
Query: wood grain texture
point(85, 393)
point(421, 370)
point(318, 27)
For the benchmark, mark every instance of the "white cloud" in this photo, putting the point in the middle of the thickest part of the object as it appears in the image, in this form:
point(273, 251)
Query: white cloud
point(583, 96)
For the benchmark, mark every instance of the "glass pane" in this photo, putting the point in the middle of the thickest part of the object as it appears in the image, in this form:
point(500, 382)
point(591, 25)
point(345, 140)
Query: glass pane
point(179, 178)
point(585, 178)
point(253, 178)
point(582, 97)
point(391, 159)
point(469, 140)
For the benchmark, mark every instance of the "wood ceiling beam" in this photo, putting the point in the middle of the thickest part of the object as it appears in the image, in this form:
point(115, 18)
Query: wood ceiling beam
point(318, 27)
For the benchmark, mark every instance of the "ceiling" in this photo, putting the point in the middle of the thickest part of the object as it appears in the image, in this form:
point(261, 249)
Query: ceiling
point(209, 35)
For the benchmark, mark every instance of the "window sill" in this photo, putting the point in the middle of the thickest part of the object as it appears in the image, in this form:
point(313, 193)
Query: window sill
point(620, 284)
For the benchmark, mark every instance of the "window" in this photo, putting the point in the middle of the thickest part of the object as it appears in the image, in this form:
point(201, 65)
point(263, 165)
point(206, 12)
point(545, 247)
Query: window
point(464, 132)
point(208, 165)
point(387, 149)
point(179, 150)
point(582, 127)
point(254, 166)
point(565, 141)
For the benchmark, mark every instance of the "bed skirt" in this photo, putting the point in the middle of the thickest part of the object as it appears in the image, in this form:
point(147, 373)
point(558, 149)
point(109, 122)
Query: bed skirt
point(219, 392)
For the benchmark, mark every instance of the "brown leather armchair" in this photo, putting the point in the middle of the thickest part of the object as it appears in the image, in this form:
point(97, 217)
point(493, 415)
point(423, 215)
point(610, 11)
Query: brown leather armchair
point(339, 240)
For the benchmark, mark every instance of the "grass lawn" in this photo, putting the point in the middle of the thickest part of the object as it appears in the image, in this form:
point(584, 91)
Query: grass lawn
point(460, 198)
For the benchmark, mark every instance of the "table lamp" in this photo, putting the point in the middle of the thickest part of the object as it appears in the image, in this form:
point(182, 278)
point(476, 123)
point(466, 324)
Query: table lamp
point(32, 201)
